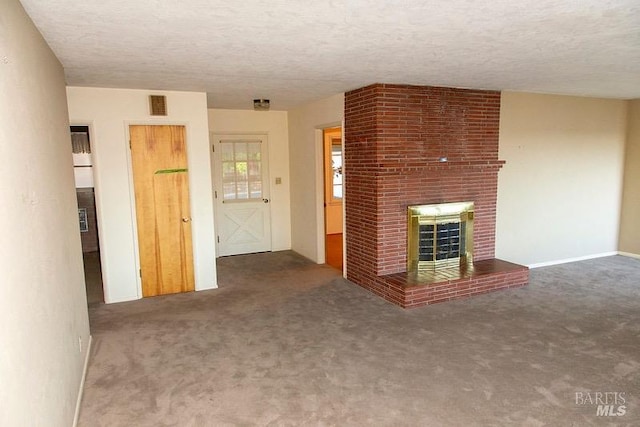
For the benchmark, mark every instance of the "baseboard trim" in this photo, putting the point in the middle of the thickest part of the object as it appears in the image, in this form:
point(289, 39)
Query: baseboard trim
point(629, 254)
point(567, 260)
point(108, 300)
point(81, 389)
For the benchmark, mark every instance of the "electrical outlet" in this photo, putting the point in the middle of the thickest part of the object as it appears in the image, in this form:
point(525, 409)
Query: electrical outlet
point(278, 180)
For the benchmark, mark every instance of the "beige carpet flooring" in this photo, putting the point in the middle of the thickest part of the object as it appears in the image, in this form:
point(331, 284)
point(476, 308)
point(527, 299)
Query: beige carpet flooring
point(285, 342)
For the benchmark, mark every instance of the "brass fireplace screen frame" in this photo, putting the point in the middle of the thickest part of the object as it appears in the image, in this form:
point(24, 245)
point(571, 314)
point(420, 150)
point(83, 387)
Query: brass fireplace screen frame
point(440, 236)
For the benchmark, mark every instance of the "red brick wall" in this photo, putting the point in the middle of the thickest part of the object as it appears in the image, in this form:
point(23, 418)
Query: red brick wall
point(394, 137)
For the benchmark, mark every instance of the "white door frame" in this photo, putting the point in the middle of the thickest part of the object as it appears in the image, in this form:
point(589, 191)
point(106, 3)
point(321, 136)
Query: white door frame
point(319, 173)
point(217, 190)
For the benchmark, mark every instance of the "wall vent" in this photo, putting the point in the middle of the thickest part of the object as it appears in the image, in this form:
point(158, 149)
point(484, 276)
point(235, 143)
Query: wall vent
point(158, 105)
point(261, 104)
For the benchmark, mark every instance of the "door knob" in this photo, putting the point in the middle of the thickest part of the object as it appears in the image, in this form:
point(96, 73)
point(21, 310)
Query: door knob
point(265, 200)
point(186, 219)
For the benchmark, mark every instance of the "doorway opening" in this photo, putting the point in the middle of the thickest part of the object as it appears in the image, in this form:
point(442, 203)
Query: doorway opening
point(87, 218)
point(333, 196)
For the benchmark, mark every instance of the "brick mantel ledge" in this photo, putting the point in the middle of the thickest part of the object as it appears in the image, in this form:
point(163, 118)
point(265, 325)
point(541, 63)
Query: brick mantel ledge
point(435, 165)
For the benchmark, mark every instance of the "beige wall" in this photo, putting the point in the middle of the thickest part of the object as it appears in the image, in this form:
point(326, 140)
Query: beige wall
point(108, 113)
point(44, 335)
point(305, 154)
point(629, 223)
point(559, 193)
point(274, 125)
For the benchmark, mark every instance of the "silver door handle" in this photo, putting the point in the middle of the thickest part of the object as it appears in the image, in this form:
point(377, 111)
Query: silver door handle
point(265, 200)
point(186, 219)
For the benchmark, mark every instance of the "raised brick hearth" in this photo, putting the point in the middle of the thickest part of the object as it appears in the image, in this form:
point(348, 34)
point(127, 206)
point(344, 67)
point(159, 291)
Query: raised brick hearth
point(396, 138)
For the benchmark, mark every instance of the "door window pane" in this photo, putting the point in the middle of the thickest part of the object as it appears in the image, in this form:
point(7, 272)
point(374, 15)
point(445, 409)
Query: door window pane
point(240, 150)
point(228, 172)
point(336, 165)
point(254, 170)
point(255, 190)
point(227, 152)
point(253, 149)
point(242, 190)
point(229, 189)
point(241, 170)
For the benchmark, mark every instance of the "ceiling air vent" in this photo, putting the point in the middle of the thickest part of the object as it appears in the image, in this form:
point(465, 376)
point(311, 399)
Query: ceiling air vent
point(158, 105)
point(261, 104)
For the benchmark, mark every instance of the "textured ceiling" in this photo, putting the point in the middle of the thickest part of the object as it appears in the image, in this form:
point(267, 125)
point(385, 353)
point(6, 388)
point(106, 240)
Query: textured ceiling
point(294, 52)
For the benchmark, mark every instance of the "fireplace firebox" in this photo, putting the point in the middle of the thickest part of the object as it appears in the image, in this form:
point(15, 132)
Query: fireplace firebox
point(440, 236)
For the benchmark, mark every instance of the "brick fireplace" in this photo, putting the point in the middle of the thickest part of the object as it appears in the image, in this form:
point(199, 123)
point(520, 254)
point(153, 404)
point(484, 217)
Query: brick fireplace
point(419, 145)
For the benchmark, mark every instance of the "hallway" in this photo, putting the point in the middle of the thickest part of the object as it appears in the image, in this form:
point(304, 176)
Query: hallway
point(93, 278)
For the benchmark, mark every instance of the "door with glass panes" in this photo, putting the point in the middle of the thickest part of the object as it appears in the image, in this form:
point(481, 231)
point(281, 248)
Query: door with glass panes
point(241, 192)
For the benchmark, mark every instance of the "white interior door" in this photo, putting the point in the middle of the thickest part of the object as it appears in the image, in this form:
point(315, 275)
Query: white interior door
point(241, 171)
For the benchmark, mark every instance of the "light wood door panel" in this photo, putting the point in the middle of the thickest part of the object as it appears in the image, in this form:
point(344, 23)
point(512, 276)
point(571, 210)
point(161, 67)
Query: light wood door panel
point(161, 184)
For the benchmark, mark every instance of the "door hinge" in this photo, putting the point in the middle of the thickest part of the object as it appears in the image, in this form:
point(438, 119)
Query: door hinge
point(215, 194)
point(129, 144)
point(213, 148)
point(218, 239)
point(140, 272)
